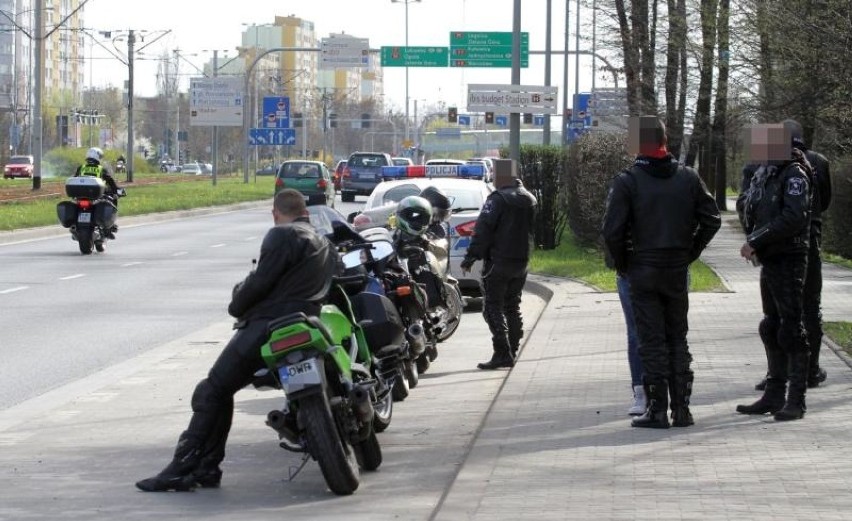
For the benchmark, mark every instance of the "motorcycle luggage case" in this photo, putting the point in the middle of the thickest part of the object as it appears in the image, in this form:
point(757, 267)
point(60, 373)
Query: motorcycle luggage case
point(84, 187)
point(385, 327)
point(67, 213)
point(105, 214)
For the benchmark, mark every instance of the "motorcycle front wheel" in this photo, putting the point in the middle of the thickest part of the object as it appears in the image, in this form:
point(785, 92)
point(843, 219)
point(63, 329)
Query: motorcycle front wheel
point(455, 306)
point(334, 454)
point(383, 412)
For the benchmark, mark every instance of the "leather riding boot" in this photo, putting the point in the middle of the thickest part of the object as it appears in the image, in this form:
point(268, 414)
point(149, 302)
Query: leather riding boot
point(681, 391)
point(501, 356)
point(178, 475)
point(776, 385)
point(795, 408)
point(656, 416)
point(761, 385)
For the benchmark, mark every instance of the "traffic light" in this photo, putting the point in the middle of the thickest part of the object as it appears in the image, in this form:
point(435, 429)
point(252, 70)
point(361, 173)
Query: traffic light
point(365, 120)
point(297, 119)
point(489, 118)
point(528, 118)
point(453, 115)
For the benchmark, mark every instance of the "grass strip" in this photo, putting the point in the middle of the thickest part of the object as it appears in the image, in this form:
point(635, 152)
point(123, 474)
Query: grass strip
point(840, 333)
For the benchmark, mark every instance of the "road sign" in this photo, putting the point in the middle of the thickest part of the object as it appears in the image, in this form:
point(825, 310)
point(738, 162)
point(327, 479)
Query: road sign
point(608, 102)
point(538, 121)
point(501, 121)
point(486, 49)
point(415, 56)
point(276, 112)
point(216, 101)
point(511, 98)
point(464, 120)
point(272, 136)
point(344, 51)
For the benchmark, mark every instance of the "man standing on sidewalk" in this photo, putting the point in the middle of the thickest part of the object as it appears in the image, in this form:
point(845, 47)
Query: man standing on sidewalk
point(501, 239)
point(666, 211)
point(776, 213)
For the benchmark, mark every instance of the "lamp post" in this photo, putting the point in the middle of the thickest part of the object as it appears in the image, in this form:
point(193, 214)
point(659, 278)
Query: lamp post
point(407, 125)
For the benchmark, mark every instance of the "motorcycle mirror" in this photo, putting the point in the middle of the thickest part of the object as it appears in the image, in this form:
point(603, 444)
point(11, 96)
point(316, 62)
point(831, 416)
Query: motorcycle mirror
point(382, 250)
point(353, 259)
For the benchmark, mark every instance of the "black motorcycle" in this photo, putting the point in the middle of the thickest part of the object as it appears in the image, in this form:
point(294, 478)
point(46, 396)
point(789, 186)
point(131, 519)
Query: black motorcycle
point(91, 215)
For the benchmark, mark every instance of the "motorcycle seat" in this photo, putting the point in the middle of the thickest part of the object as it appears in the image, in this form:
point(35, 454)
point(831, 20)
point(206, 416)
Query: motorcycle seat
point(295, 318)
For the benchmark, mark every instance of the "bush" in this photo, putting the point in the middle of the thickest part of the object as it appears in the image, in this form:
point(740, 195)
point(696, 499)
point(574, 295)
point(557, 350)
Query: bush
point(594, 160)
point(837, 224)
point(541, 170)
point(63, 161)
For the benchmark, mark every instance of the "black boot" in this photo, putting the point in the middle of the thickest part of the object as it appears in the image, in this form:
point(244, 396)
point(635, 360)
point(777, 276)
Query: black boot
point(656, 415)
point(761, 385)
point(794, 408)
point(178, 475)
point(681, 390)
point(776, 385)
point(497, 361)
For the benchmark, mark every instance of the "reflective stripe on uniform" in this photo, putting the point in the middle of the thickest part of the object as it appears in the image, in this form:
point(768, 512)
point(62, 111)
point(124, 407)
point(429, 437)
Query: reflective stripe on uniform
point(91, 170)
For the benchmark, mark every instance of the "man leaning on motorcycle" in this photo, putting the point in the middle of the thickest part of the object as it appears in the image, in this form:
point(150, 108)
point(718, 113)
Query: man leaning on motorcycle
point(293, 274)
point(93, 168)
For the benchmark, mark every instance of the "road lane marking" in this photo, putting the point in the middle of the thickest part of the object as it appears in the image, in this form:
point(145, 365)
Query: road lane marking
point(12, 290)
point(253, 237)
point(69, 277)
point(218, 245)
point(180, 253)
point(131, 264)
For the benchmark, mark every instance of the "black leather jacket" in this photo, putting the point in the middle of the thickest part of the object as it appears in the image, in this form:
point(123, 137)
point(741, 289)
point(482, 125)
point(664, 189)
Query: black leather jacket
point(658, 213)
point(502, 231)
point(296, 264)
point(776, 208)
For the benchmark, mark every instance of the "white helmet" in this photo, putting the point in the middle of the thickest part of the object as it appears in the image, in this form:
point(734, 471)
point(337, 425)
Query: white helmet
point(95, 153)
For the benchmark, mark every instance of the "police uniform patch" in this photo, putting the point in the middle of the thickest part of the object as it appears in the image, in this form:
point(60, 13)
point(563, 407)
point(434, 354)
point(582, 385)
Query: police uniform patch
point(795, 186)
point(487, 207)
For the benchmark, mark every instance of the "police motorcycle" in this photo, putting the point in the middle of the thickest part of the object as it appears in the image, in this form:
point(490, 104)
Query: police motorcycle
point(91, 214)
point(425, 256)
point(120, 167)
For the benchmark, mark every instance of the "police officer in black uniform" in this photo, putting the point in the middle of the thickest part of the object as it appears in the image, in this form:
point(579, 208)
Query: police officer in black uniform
point(501, 239)
point(93, 168)
point(293, 274)
point(776, 211)
point(664, 212)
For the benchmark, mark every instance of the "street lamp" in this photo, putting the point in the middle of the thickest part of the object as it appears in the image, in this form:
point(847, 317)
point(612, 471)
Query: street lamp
point(406, 2)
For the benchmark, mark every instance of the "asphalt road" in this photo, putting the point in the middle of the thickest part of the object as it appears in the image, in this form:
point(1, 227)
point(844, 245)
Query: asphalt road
point(64, 316)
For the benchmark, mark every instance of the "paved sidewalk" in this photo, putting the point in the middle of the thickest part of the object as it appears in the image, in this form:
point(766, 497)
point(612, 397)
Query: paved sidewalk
point(558, 444)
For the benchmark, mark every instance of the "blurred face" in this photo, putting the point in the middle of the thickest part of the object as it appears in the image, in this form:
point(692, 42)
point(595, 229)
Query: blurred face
point(645, 135)
point(768, 143)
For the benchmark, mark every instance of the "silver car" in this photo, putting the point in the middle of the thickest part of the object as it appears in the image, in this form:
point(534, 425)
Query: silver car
point(467, 196)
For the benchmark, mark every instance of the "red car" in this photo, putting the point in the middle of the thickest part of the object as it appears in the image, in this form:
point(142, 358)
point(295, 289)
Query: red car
point(338, 173)
point(18, 166)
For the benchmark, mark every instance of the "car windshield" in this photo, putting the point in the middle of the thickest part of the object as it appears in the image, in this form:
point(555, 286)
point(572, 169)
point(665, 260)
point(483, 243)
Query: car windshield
point(461, 198)
point(401, 162)
point(299, 171)
point(376, 160)
point(20, 160)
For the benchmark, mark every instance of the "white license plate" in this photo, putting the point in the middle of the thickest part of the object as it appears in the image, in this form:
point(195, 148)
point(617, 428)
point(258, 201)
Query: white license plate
point(297, 376)
point(84, 218)
point(366, 176)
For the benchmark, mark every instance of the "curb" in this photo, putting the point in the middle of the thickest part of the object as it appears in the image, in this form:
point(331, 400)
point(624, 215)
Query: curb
point(839, 351)
point(45, 232)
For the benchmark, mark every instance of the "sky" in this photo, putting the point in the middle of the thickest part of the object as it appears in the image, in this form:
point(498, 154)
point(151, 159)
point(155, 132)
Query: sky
point(199, 26)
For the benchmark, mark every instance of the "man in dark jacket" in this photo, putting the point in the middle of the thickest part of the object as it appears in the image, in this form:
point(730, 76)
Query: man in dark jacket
point(501, 239)
point(668, 216)
point(293, 274)
point(776, 211)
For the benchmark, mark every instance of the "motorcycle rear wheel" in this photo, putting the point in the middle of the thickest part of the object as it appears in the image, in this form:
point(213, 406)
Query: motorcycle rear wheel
point(400, 389)
point(383, 413)
point(334, 454)
point(85, 241)
point(455, 308)
point(423, 363)
point(411, 374)
point(369, 452)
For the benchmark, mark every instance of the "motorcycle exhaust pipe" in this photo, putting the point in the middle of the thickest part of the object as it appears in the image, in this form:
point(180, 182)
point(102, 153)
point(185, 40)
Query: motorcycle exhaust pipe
point(275, 419)
point(416, 339)
point(361, 404)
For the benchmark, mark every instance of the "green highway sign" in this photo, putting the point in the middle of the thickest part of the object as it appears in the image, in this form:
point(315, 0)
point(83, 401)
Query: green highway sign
point(486, 49)
point(415, 56)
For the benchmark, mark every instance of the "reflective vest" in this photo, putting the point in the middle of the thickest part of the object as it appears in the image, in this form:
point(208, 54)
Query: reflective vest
point(92, 170)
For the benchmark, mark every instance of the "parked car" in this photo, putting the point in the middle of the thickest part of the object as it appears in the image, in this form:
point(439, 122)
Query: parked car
point(338, 173)
point(311, 178)
point(191, 169)
point(487, 164)
point(362, 173)
point(402, 161)
point(269, 169)
point(18, 166)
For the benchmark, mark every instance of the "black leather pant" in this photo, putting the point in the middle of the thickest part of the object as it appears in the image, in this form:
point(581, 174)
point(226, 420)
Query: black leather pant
point(811, 303)
point(660, 304)
point(502, 284)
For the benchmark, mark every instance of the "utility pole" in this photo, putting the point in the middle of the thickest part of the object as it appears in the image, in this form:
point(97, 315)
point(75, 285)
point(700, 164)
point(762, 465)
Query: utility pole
point(545, 137)
point(38, 76)
point(565, 120)
point(131, 40)
point(215, 128)
point(515, 118)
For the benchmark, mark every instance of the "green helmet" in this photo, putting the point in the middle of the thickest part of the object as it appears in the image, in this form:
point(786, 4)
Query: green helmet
point(413, 215)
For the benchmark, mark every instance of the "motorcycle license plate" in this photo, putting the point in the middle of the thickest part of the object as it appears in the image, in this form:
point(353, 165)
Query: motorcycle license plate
point(297, 376)
point(84, 218)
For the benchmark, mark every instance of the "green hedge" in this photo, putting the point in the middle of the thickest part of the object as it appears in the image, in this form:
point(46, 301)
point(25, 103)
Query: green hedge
point(594, 160)
point(542, 172)
point(837, 226)
point(63, 162)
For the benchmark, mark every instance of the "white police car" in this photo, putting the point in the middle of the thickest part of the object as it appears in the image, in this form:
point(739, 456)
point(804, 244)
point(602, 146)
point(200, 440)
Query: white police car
point(461, 183)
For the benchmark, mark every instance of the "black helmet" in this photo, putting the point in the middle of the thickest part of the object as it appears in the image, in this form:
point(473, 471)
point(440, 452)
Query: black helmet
point(413, 215)
point(439, 201)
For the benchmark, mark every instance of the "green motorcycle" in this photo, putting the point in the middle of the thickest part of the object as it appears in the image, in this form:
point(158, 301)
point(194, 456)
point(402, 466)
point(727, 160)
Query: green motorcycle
point(338, 389)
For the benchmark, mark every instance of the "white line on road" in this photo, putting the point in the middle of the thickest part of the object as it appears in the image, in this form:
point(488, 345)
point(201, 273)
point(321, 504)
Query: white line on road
point(131, 264)
point(180, 253)
point(69, 277)
point(12, 290)
point(253, 237)
point(218, 245)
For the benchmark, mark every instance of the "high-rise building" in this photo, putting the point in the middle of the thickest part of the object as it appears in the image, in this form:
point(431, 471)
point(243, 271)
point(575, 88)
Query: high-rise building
point(15, 68)
point(63, 48)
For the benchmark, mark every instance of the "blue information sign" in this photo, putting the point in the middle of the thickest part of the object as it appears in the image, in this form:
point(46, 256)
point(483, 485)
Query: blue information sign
point(501, 120)
point(276, 112)
point(538, 121)
point(272, 136)
point(464, 120)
